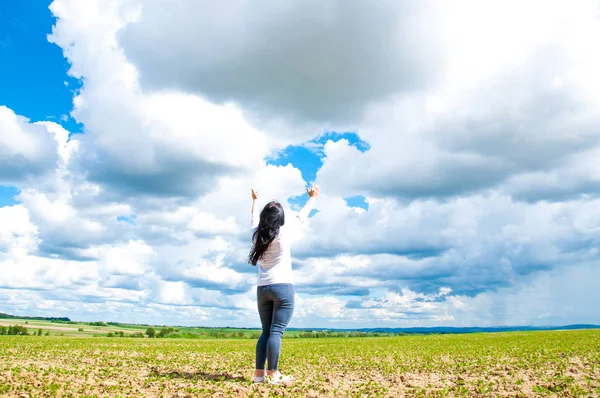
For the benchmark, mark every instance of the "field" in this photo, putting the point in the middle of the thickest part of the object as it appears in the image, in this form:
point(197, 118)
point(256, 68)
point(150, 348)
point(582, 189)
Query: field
point(557, 363)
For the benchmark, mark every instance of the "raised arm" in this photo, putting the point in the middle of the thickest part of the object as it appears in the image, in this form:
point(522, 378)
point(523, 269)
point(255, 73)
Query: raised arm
point(255, 217)
point(313, 193)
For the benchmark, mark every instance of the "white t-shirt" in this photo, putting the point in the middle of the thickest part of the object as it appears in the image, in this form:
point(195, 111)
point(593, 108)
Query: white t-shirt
point(275, 265)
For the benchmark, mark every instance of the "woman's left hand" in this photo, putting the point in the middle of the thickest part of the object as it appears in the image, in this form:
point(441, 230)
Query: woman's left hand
point(254, 194)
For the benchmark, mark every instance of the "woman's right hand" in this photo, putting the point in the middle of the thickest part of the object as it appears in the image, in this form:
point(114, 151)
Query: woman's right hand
point(254, 194)
point(314, 191)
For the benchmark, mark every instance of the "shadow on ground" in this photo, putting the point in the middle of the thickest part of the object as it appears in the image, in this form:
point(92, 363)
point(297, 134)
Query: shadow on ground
point(198, 375)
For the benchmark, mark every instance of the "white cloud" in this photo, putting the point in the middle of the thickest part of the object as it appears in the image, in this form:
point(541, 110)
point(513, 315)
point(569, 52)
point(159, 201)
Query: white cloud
point(130, 259)
point(18, 235)
point(171, 293)
point(325, 307)
point(511, 103)
point(166, 143)
point(211, 272)
point(315, 61)
point(27, 150)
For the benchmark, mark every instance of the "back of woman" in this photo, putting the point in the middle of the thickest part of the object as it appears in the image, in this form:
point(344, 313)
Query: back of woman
point(275, 263)
point(272, 236)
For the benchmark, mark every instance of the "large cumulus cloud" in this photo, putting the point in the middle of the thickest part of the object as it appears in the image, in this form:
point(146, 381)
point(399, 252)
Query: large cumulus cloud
point(316, 61)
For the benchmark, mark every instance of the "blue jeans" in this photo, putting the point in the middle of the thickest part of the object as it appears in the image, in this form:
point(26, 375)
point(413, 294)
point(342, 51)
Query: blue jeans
point(275, 307)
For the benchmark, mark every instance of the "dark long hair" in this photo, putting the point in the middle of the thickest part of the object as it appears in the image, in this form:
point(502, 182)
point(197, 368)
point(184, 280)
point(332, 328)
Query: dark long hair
point(271, 219)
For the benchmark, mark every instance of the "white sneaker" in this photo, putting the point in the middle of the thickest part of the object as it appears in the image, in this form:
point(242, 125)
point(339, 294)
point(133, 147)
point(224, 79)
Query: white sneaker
point(258, 379)
point(278, 378)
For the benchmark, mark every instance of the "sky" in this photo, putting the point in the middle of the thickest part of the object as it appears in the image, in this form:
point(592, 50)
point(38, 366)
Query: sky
point(456, 145)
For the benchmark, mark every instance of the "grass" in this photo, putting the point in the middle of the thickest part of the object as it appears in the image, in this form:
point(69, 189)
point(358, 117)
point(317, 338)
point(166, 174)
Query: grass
point(557, 363)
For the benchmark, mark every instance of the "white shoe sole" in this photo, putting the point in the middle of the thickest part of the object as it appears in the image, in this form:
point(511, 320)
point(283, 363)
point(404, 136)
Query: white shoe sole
point(281, 381)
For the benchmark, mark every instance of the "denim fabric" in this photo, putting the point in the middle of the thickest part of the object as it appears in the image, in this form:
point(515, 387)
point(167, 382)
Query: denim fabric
point(275, 307)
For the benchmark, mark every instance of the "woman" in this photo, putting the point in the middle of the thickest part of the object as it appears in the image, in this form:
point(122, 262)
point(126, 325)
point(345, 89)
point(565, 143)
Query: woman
point(271, 238)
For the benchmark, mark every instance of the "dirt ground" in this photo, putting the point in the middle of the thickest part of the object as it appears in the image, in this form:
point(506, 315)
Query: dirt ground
point(500, 365)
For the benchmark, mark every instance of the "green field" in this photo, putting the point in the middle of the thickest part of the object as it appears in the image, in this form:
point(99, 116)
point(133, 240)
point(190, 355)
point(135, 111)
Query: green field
point(557, 363)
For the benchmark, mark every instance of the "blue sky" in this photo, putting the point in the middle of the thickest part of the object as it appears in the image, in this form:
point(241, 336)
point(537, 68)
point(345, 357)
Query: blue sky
point(453, 189)
point(8, 194)
point(33, 72)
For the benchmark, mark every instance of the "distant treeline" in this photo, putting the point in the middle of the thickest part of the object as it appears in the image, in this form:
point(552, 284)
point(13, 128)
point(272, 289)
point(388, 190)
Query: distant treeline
point(330, 334)
point(150, 333)
point(19, 330)
point(16, 330)
point(223, 333)
point(34, 318)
